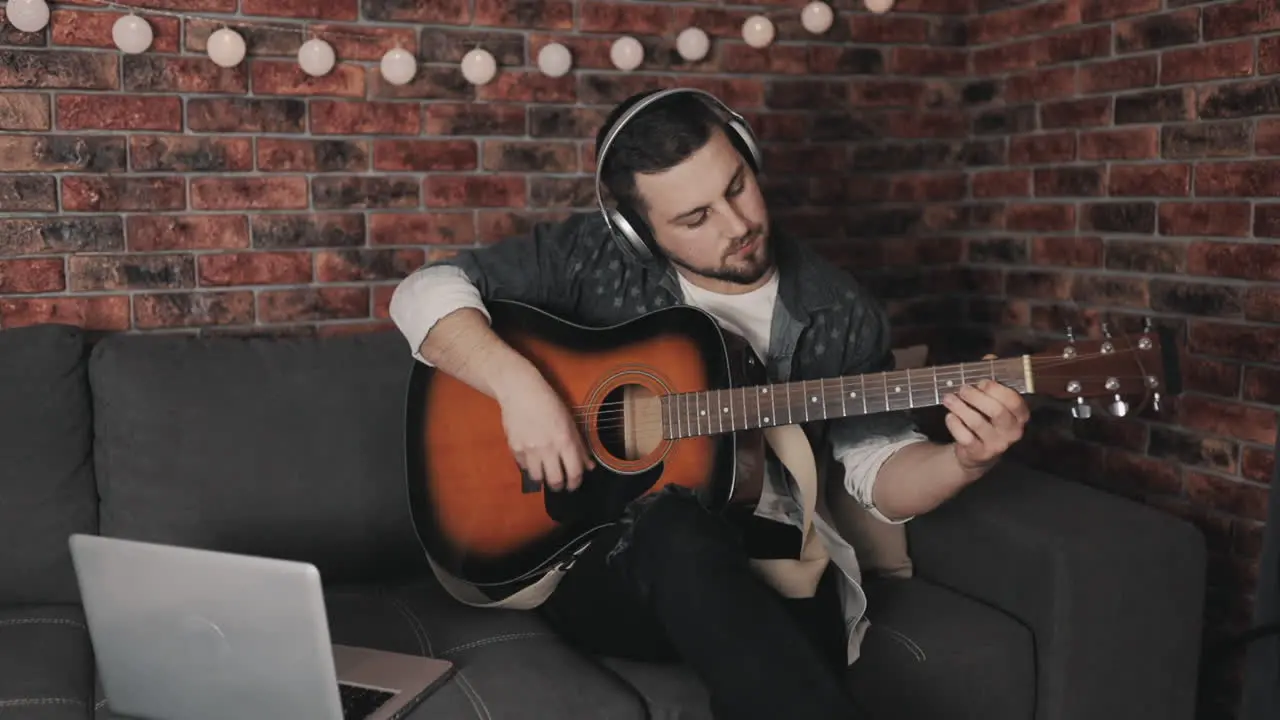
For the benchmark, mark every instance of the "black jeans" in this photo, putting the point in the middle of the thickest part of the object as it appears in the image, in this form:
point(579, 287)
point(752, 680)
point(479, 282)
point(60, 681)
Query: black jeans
point(680, 589)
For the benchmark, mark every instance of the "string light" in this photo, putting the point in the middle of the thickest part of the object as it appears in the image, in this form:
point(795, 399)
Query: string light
point(226, 46)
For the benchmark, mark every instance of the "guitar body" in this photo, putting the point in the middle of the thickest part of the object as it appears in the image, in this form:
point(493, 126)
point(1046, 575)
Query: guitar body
point(483, 521)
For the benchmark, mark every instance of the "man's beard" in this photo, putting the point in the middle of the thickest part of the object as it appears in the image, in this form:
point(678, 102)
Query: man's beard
point(738, 276)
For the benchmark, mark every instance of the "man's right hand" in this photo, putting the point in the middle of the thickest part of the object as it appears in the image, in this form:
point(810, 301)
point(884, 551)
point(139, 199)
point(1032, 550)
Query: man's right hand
point(542, 432)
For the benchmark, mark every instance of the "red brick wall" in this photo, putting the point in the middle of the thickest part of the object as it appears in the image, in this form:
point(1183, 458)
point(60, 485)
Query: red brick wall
point(161, 192)
point(1141, 176)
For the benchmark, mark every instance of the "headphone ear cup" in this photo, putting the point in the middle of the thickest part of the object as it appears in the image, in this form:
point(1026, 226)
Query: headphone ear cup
point(631, 233)
point(745, 141)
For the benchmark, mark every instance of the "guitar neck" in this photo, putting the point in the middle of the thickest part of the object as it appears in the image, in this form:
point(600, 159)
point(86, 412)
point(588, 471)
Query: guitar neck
point(718, 411)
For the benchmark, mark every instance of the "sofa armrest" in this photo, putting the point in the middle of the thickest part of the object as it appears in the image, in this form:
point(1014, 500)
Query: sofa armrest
point(1112, 590)
point(46, 662)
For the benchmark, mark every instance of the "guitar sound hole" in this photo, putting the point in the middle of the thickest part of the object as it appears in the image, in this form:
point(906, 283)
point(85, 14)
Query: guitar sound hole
point(629, 422)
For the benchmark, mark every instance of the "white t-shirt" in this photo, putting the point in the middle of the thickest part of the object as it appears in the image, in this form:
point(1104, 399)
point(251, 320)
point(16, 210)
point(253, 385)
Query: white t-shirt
point(748, 315)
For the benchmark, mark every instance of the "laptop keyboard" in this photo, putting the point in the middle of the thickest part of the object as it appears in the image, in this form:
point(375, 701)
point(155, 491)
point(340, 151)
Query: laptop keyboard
point(360, 702)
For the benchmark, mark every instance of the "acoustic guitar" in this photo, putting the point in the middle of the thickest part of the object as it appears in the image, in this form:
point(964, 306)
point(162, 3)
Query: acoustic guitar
point(671, 398)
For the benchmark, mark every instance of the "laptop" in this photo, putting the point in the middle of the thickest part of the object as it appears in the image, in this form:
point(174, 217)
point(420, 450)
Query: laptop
point(189, 634)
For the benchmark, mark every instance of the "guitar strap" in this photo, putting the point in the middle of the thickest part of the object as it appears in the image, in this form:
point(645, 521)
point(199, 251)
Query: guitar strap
point(791, 577)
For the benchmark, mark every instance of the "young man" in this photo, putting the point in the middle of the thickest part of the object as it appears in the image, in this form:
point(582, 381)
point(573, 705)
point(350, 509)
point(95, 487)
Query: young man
point(674, 581)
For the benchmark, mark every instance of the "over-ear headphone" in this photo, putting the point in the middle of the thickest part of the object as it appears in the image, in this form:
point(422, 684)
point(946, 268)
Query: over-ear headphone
point(626, 225)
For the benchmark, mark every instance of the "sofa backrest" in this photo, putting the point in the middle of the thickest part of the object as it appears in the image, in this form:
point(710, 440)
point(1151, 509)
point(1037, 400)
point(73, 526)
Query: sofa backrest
point(285, 447)
point(46, 462)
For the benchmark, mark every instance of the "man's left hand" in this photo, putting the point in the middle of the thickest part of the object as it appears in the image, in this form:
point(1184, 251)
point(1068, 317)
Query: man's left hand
point(985, 421)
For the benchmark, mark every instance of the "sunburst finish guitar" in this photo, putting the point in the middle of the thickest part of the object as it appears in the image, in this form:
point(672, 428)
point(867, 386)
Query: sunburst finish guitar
point(671, 398)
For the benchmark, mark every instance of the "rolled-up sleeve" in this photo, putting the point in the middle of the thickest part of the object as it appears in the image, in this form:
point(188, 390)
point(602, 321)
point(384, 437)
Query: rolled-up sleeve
point(427, 295)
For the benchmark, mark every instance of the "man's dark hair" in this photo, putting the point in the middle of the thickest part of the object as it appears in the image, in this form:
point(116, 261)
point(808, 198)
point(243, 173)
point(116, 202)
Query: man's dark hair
point(662, 136)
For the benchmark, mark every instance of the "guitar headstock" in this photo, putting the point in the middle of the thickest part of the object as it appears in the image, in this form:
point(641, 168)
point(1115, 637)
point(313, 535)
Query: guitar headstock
point(1122, 369)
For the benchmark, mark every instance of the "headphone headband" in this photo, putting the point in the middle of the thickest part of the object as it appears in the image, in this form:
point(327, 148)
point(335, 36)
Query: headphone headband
point(627, 228)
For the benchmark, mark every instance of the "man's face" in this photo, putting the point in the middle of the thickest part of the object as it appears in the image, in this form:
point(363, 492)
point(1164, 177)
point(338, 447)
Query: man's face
point(709, 217)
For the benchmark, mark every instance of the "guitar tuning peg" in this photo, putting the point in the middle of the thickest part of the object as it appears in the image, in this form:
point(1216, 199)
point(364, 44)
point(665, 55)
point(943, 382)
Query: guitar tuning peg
point(1155, 402)
point(1118, 407)
point(1146, 324)
point(1106, 330)
point(1071, 335)
point(1081, 410)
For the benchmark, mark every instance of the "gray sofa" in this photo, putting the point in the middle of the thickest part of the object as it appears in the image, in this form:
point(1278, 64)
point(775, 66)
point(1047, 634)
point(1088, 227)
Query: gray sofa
point(1033, 597)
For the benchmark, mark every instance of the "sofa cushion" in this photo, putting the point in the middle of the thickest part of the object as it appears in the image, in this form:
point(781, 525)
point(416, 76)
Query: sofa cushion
point(933, 653)
point(46, 662)
point(285, 447)
point(46, 470)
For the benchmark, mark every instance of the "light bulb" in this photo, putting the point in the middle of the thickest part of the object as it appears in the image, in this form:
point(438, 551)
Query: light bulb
point(398, 66)
point(626, 53)
point(758, 31)
point(479, 66)
point(879, 6)
point(132, 34)
point(554, 60)
point(692, 44)
point(316, 57)
point(27, 15)
point(225, 47)
point(816, 17)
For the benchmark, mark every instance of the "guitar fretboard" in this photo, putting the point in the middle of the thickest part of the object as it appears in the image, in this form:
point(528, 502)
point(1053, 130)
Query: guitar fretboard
point(718, 411)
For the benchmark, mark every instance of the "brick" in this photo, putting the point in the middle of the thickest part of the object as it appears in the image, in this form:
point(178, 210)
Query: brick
point(449, 45)
point(428, 228)
point(561, 192)
point(361, 191)
point(1262, 385)
point(1189, 449)
point(1211, 62)
point(1266, 221)
point(187, 153)
point(432, 82)
point(61, 153)
point(436, 12)
point(1022, 21)
point(1012, 120)
point(255, 268)
point(925, 124)
point(517, 86)
point(1049, 84)
point(1235, 19)
point(1089, 112)
point(447, 190)
point(1001, 59)
point(130, 272)
point(905, 60)
point(243, 193)
point(1228, 219)
point(1267, 137)
point(1239, 179)
point(119, 112)
point(28, 193)
point(315, 9)
point(1258, 465)
point(1040, 217)
point(1120, 217)
point(1123, 74)
point(1240, 100)
point(31, 275)
point(1158, 31)
point(1067, 251)
point(1206, 140)
point(889, 29)
point(60, 234)
point(609, 17)
point(312, 304)
point(1247, 261)
point(192, 309)
point(1146, 256)
point(1149, 180)
point(1228, 419)
point(1262, 304)
point(937, 187)
point(271, 77)
point(95, 193)
point(58, 70)
point(95, 312)
point(832, 60)
point(1068, 181)
point(367, 265)
point(1155, 106)
point(425, 155)
point(1039, 284)
point(288, 155)
point(9, 35)
point(1212, 377)
point(494, 225)
point(151, 233)
point(247, 115)
point(531, 14)
point(80, 28)
point(1143, 476)
point(1001, 183)
point(364, 42)
point(1096, 10)
point(25, 111)
point(1188, 298)
point(1091, 42)
point(1111, 291)
point(1042, 148)
point(530, 156)
point(260, 39)
point(797, 94)
point(345, 117)
point(149, 73)
point(277, 231)
point(998, 250)
point(445, 118)
point(1120, 144)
